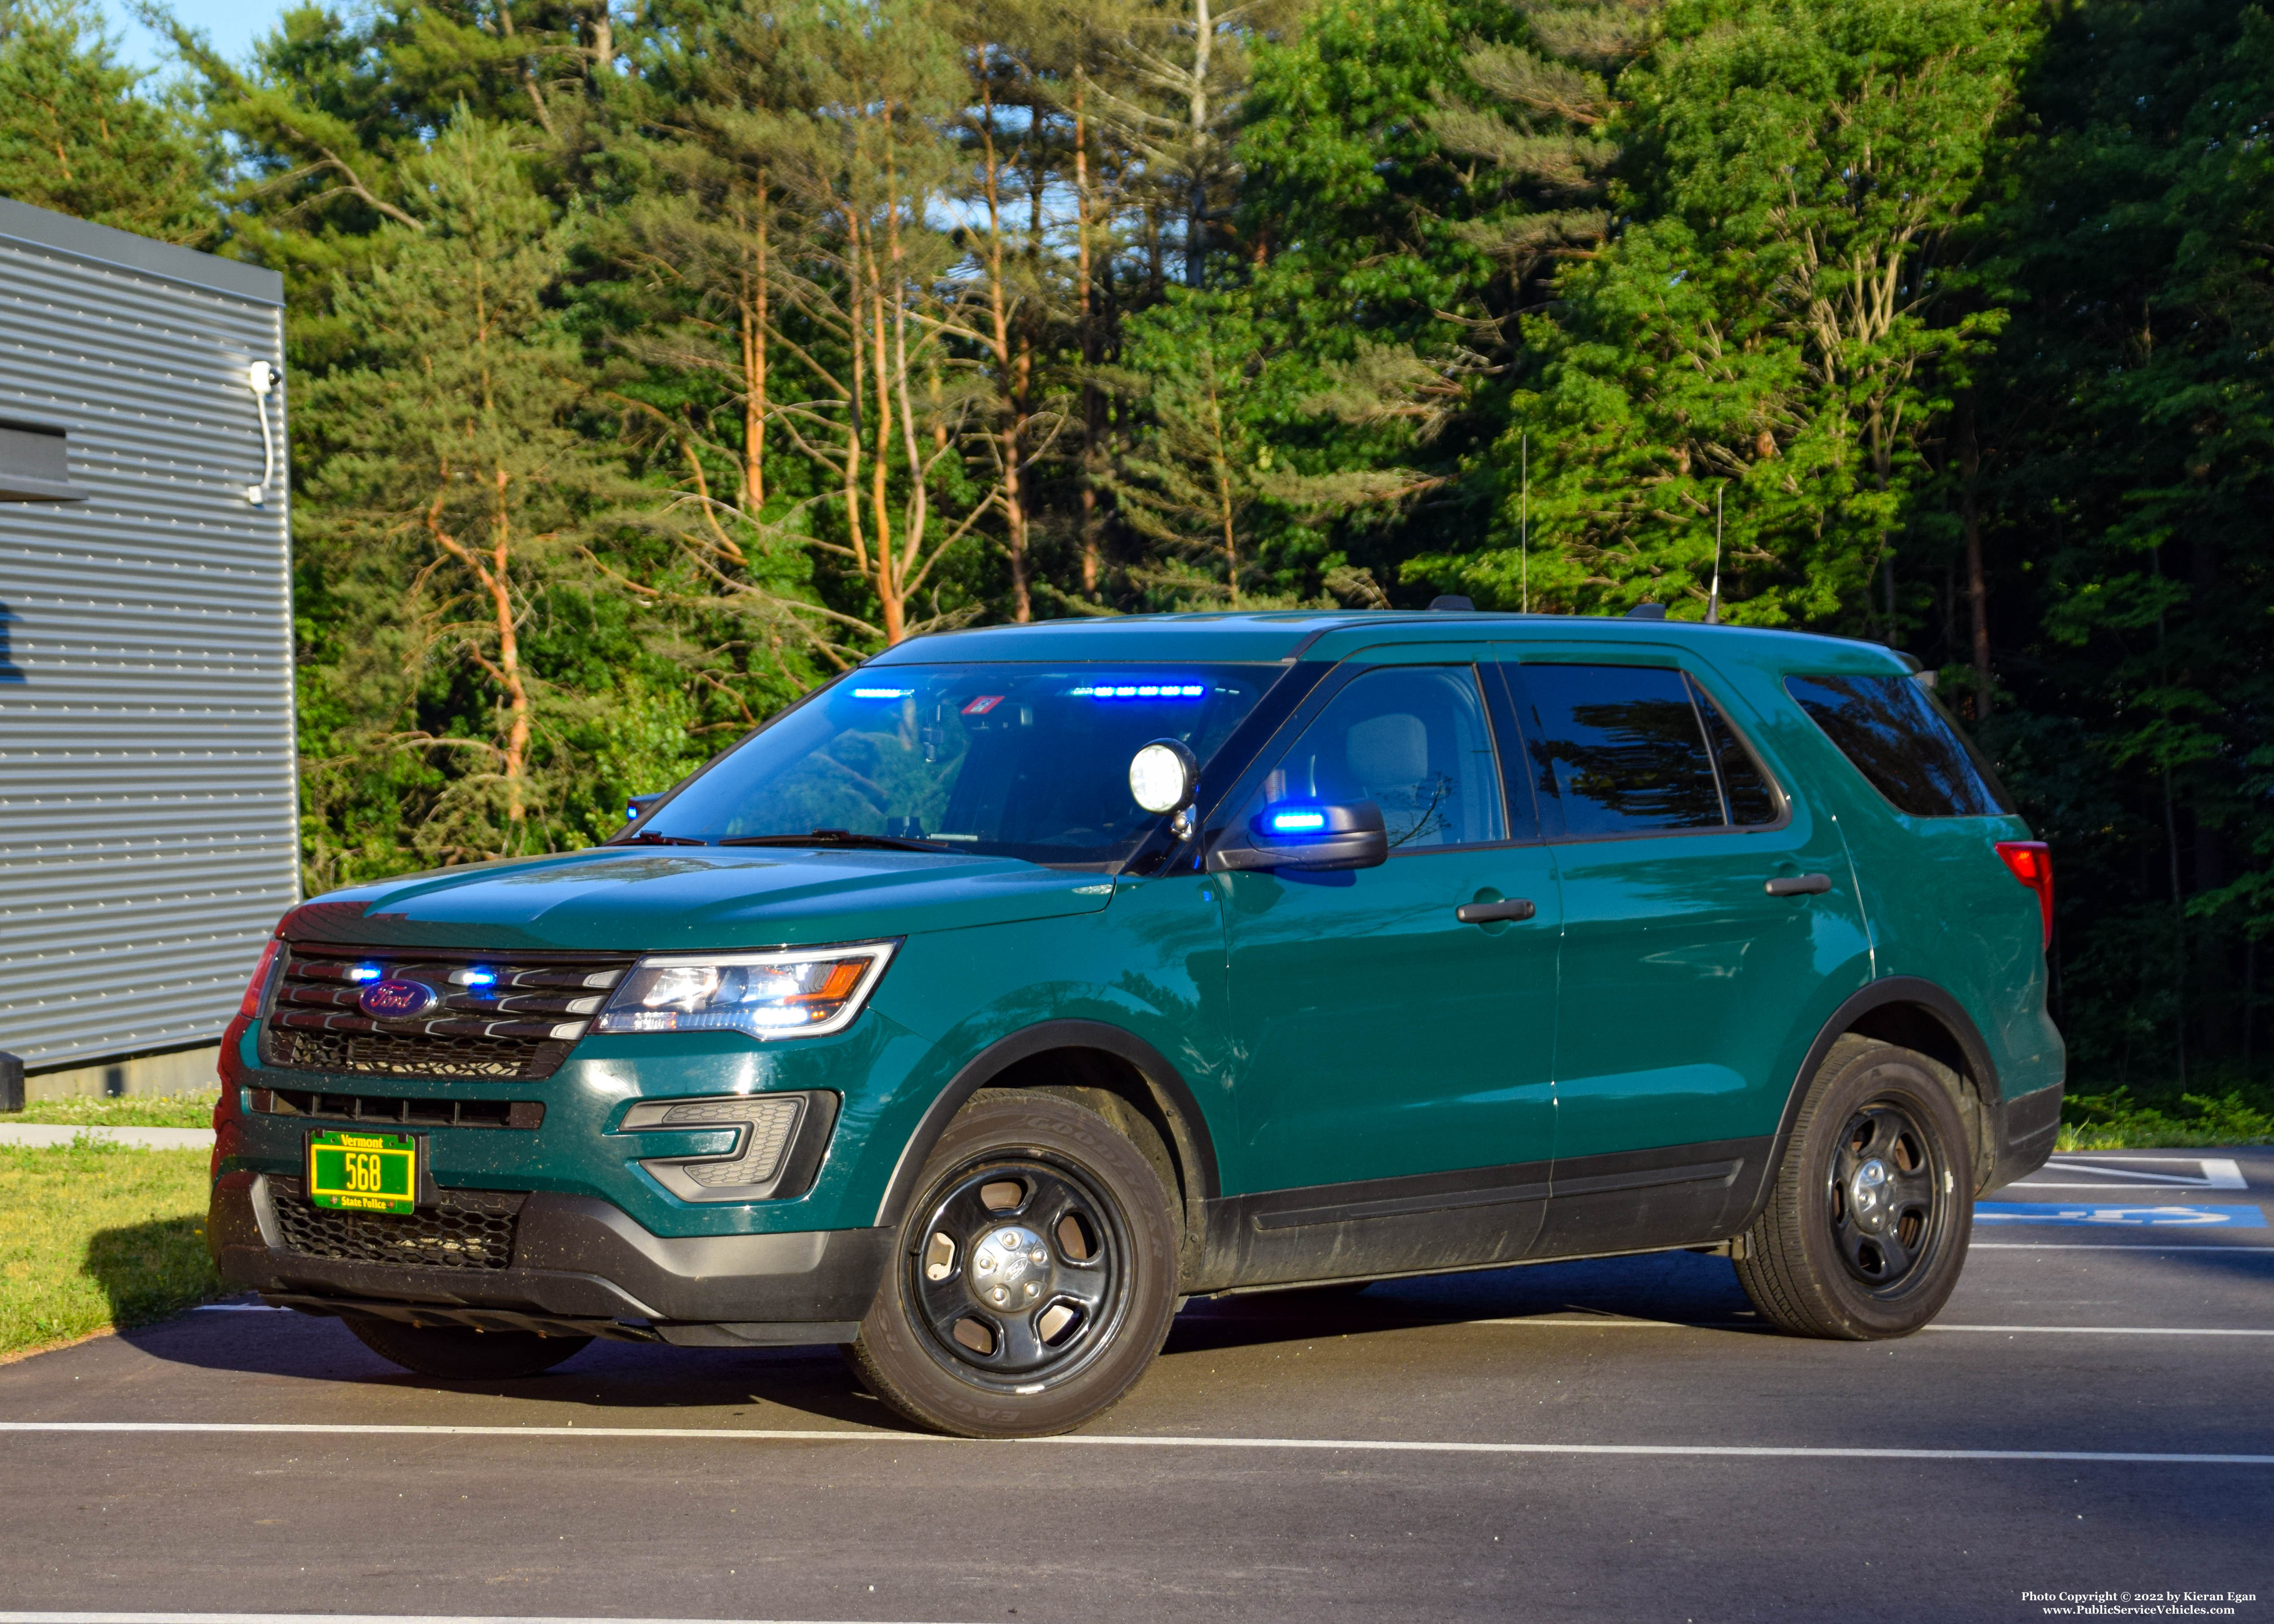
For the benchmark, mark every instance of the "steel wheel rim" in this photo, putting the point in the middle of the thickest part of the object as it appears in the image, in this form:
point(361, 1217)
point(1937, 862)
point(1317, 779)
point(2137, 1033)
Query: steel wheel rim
point(1886, 1198)
point(985, 1307)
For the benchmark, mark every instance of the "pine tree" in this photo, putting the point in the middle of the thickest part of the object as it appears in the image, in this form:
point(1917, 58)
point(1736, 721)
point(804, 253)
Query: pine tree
point(77, 135)
point(1766, 335)
point(448, 489)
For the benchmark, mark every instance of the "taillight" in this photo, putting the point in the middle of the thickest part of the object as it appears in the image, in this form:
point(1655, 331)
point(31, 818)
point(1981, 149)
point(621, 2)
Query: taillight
point(249, 1006)
point(2032, 863)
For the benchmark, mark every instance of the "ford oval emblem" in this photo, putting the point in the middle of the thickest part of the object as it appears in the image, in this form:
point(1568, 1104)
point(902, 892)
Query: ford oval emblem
point(398, 1000)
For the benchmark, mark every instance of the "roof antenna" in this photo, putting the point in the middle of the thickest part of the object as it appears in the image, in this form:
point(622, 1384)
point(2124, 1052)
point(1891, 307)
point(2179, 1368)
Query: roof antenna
point(1524, 520)
point(1713, 599)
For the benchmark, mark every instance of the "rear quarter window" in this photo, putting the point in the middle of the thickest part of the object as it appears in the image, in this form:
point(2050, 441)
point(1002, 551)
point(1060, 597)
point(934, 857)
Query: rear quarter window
point(1904, 742)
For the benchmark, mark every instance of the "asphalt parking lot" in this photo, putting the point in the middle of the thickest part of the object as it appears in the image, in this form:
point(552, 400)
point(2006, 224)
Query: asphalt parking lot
point(1612, 1440)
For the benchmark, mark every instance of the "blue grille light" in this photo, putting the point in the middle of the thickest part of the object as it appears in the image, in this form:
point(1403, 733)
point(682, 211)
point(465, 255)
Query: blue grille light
point(365, 972)
point(481, 978)
point(1294, 822)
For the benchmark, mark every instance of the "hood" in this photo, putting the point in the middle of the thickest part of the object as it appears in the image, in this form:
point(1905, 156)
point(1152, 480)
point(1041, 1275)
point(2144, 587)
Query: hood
point(631, 899)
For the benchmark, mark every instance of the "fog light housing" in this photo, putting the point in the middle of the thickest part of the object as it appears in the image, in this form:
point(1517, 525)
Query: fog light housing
point(779, 1142)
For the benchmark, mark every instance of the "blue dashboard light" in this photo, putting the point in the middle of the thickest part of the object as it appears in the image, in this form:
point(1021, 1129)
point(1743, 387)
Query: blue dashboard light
point(365, 972)
point(1294, 822)
point(882, 693)
point(1141, 691)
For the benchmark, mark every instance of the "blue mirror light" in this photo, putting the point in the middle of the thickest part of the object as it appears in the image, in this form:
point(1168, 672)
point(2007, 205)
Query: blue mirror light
point(1297, 822)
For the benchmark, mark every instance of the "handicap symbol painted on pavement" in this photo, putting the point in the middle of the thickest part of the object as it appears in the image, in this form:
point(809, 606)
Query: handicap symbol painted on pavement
point(2085, 1213)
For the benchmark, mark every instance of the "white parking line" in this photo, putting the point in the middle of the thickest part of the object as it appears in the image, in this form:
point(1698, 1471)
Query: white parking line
point(44, 1136)
point(1388, 1446)
point(2111, 1172)
point(339, 1617)
point(2109, 1246)
point(1606, 1322)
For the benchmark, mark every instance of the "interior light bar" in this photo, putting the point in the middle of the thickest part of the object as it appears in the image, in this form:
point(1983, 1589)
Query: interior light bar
point(1142, 691)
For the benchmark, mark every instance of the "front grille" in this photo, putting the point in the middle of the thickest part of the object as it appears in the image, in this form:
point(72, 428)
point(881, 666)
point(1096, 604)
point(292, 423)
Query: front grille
point(392, 1110)
point(516, 1027)
point(467, 1230)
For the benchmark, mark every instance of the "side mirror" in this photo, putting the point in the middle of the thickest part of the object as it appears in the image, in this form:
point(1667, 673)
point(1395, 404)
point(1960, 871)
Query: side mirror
point(1165, 777)
point(1311, 837)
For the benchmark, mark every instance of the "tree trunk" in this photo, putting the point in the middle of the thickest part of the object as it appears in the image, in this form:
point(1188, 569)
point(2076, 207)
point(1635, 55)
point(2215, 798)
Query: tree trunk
point(1196, 198)
point(1093, 399)
point(1978, 586)
point(755, 317)
point(500, 582)
point(1011, 436)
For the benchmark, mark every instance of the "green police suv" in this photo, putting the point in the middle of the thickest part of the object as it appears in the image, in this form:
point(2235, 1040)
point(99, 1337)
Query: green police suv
point(990, 1001)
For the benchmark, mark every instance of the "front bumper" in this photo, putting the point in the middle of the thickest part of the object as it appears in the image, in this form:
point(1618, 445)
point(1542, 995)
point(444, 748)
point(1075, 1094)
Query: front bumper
point(577, 1264)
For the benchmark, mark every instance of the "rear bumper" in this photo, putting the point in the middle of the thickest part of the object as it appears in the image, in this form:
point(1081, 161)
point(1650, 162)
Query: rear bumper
point(2026, 1127)
point(576, 1262)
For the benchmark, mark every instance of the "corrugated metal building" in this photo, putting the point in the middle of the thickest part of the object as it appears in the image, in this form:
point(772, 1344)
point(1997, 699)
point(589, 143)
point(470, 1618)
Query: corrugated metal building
point(147, 804)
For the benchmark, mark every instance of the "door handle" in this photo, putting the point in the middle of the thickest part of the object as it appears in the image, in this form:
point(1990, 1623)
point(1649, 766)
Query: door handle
point(1493, 913)
point(1800, 886)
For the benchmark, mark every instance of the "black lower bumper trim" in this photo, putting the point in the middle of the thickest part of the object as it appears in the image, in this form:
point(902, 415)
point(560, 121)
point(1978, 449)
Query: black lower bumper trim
point(574, 1259)
point(432, 1316)
point(796, 1334)
point(2025, 1129)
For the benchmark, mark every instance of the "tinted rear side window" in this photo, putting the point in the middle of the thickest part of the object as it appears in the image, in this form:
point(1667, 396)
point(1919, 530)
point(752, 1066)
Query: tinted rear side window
point(1901, 743)
point(1620, 746)
point(1745, 786)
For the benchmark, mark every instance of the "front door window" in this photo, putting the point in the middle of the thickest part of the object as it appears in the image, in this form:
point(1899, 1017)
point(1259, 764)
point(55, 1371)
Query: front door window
point(1415, 741)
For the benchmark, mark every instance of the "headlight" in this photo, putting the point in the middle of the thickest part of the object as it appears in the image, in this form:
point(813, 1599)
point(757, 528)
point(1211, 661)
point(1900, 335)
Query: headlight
point(793, 995)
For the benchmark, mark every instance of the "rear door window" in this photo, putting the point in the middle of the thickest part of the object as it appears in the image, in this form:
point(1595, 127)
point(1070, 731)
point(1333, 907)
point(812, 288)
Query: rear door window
point(1628, 750)
point(1902, 741)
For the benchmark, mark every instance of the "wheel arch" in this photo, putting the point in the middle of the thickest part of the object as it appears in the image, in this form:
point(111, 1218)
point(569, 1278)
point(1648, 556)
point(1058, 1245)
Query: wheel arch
point(1914, 1013)
point(1083, 1053)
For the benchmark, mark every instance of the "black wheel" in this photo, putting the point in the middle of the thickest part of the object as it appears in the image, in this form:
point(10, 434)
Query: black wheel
point(455, 1354)
point(1867, 1228)
point(1036, 1275)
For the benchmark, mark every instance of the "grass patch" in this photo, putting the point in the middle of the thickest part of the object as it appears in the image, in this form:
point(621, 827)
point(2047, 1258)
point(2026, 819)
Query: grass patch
point(194, 1110)
point(95, 1235)
point(2224, 1112)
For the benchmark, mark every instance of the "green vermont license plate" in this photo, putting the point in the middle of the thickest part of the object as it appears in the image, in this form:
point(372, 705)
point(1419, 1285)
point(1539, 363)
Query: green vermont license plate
point(364, 1172)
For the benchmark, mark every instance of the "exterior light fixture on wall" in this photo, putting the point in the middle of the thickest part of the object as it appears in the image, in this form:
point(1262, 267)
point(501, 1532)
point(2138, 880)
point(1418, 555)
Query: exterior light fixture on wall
point(262, 378)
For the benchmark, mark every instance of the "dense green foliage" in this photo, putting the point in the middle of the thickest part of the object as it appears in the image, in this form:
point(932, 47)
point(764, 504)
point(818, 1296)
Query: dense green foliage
point(653, 362)
point(75, 137)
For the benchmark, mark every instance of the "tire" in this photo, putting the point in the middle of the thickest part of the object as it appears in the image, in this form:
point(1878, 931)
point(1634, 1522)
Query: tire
point(1866, 1231)
point(455, 1354)
point(1034, 1277)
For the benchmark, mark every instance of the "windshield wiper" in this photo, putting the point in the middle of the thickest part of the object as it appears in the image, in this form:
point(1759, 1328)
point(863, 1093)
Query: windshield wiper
point(645, 839)
point(840, 836)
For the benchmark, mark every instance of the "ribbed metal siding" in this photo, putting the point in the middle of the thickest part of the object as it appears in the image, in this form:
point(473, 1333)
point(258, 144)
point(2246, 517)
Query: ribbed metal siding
point(147, 804)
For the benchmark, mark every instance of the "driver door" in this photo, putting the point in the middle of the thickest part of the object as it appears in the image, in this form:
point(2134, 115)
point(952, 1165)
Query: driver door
point(1393, 1085)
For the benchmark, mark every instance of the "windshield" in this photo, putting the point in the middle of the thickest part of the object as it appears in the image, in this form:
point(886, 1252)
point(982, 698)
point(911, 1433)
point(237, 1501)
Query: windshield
point(998, 760)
